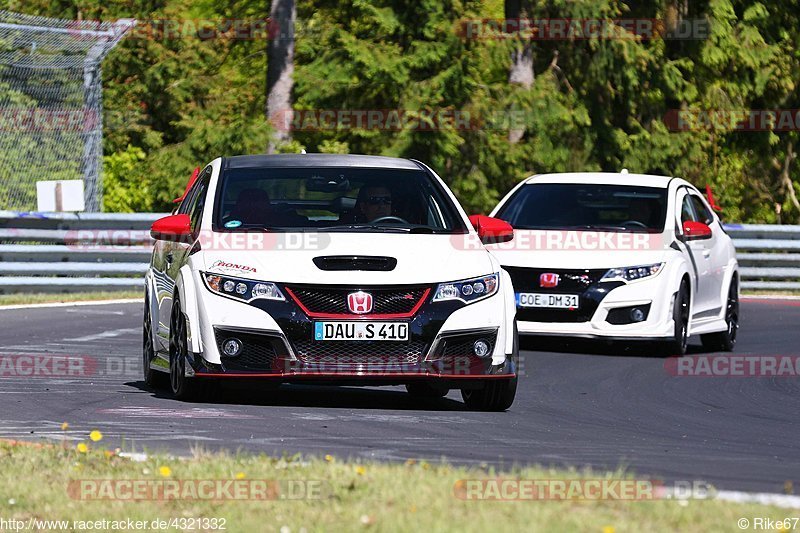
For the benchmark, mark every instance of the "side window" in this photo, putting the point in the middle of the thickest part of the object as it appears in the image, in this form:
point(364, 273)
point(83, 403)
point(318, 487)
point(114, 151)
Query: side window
point(198, 201)
point(687, 213)
point(186, 203)
point(703, 214)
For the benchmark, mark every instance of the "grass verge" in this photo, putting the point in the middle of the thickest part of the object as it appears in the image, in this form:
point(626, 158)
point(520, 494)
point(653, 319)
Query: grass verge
point(35, 483)
point(46, 298)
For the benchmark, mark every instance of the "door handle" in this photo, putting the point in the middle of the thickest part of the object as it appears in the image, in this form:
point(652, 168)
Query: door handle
point(706, 253)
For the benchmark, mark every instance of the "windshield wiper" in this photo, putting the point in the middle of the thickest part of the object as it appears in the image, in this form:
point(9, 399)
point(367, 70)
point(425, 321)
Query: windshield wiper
point(598, 227)
point(268, 229)
point(366, 227)
point(427, 229)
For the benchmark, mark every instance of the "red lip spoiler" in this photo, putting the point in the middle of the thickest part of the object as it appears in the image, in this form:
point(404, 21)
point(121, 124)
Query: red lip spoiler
point(188, 186)
point(711, 200)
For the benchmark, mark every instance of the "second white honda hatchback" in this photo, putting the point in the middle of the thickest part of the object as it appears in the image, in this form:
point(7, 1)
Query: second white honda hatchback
point(620, 256)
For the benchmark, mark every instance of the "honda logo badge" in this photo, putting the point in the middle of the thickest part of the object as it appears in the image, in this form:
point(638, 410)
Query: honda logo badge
point(359, 302)
point(548, 279)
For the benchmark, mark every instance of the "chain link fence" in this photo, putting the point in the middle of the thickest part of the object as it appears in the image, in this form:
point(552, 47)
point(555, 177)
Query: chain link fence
point(51, 124)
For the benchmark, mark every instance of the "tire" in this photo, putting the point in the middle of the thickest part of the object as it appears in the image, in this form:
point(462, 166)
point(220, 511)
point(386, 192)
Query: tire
point(724, 341)
point(152, 378)
point(425, 390)
point(680, 315)
point(496, 395)
point(183, 388)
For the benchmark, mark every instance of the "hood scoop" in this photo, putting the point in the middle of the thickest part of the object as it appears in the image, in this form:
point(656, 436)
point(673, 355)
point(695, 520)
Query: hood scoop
point(355, 262)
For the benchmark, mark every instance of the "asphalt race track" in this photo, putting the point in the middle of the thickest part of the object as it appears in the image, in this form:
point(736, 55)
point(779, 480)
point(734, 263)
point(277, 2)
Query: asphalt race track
point(578, 404)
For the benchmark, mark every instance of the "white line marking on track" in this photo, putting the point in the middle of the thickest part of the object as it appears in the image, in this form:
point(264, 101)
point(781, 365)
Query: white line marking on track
point(410, 419)
point(162, 412)
point(104, 335)
point(786, 501)
point(71, 304)
point(769, 297)
point(133, 456)
point(103, 312)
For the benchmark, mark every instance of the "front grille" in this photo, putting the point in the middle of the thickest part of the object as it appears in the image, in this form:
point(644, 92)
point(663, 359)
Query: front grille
point(583, 282)
point(333, 301)
point(359, 352)
point(258, 351)
point(571, 281)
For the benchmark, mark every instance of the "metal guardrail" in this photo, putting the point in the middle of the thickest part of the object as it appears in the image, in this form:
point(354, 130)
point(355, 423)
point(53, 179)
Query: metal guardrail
point(68, 252)
point(14, 219)
point(74, 252)
point(769, 255)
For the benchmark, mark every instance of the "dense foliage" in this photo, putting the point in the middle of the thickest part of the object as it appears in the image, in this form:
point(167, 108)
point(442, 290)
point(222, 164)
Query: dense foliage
point(594, 104)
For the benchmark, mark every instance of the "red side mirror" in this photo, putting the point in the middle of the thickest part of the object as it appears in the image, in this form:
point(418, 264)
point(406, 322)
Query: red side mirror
point(176, 228)
point(694, 231)
point(492, 230)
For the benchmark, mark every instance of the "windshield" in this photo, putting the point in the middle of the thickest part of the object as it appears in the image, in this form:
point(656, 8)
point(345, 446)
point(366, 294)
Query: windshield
point(334, 199)
point(586, 206)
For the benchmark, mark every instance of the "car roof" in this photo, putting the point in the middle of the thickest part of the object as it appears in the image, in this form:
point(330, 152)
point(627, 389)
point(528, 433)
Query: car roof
point(319, 160)
point(603, 178)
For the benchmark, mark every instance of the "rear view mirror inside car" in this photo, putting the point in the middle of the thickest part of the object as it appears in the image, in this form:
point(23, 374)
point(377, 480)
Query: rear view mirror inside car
point(327, 184)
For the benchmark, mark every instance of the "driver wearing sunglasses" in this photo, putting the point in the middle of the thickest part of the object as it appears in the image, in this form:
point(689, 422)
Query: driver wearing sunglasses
point(374, 201)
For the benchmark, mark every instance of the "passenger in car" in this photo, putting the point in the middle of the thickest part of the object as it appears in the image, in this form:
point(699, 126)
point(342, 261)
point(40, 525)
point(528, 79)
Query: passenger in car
point(254, 207)
point(643, 210)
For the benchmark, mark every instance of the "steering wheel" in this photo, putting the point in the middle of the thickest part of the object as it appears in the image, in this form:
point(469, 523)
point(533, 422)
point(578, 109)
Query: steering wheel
point(389, 219)
point(635, 223)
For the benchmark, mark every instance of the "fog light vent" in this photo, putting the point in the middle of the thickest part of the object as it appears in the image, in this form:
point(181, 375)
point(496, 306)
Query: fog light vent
point(628, 315)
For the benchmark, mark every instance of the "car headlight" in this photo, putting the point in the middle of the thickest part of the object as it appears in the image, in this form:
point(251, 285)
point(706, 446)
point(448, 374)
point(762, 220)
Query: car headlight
point(468, 290)
point(632, 273)
point(245, 290)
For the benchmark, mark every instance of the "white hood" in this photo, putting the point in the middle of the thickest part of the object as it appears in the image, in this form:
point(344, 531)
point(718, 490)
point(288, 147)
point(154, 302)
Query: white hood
point(288, 258)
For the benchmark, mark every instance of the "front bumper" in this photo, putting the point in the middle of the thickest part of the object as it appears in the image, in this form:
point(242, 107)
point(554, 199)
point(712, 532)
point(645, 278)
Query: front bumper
point(279, 345)
point(603, 308)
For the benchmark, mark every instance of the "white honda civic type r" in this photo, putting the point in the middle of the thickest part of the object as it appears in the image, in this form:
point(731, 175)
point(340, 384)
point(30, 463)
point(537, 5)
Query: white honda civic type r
point(336, 269)
point(620, 256)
